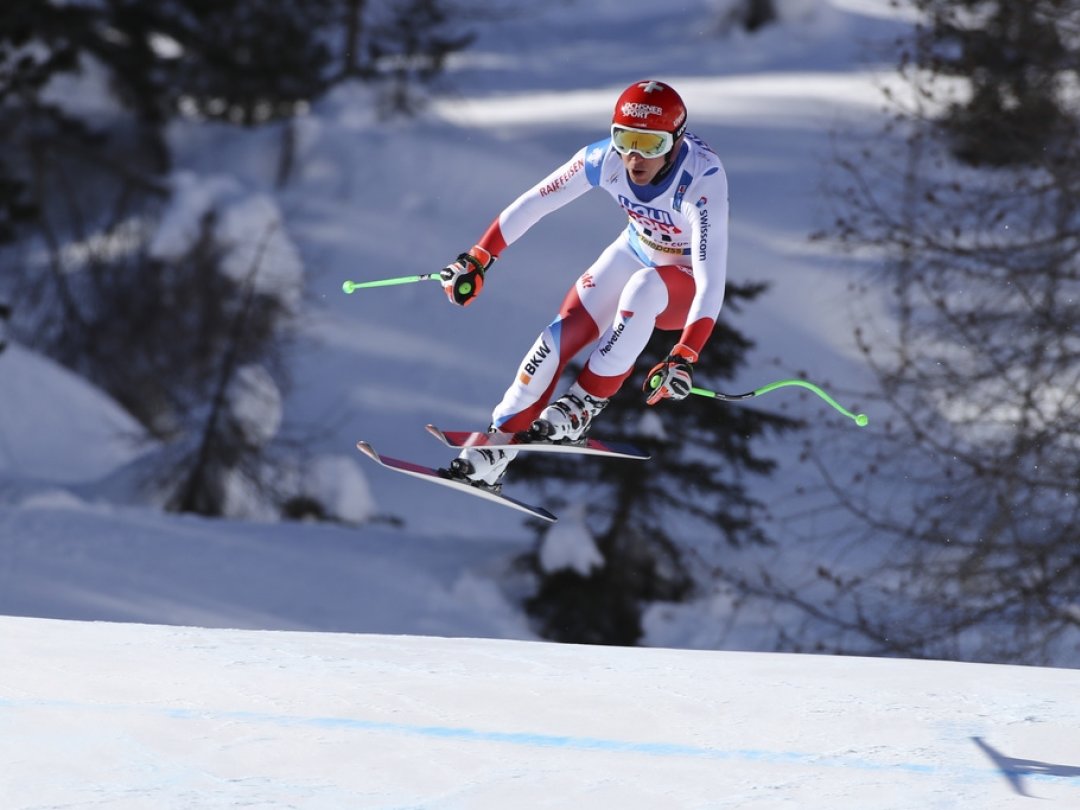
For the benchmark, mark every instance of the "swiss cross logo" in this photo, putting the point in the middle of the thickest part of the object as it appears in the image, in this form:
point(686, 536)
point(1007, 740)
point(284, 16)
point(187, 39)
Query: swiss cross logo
point(651, 87)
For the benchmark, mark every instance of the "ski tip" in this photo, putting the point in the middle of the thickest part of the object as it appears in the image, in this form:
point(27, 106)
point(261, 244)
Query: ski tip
point(434, 431)
point(367, 450)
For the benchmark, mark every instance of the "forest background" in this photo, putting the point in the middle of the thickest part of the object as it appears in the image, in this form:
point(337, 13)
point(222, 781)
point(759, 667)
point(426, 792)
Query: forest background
point(184, 186)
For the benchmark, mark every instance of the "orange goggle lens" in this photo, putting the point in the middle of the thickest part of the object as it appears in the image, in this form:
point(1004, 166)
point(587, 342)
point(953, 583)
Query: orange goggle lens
point(645, 142)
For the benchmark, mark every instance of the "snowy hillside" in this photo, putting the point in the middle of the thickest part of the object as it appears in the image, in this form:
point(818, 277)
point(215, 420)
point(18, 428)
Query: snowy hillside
point(128, 716)
point(56, 427)
point(369, 201)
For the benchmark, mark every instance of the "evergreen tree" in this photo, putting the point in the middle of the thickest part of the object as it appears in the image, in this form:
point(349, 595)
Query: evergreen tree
point(1017, 58)
point(410, 46)
point(655, 522)
point(242, 61)
point(401, 46)
point(970, 484)
point(38, 41)
point(745, 15)
point(190, 335)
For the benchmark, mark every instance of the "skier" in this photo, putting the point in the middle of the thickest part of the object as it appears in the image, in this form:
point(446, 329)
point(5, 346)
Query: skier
point(666, 271)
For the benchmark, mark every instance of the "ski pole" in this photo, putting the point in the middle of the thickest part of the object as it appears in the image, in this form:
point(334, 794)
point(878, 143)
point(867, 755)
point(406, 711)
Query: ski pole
point(350, 286)
point(860, 419)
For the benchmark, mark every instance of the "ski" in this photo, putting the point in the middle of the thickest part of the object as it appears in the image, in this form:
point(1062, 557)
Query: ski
point(437, 477)
point(523, 441)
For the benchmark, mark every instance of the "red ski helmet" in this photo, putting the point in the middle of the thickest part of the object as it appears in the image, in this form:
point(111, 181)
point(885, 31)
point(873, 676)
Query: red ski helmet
point(651, 105)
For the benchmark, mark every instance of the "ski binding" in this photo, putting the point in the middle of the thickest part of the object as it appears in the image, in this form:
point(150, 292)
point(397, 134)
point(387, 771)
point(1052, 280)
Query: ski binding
point(526, 442)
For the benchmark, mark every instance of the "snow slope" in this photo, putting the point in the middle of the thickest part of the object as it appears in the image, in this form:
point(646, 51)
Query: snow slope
point(55, 427)
point(130, 716)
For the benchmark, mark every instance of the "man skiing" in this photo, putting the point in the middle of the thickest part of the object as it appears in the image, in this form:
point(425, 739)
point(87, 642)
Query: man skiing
point(665, 271)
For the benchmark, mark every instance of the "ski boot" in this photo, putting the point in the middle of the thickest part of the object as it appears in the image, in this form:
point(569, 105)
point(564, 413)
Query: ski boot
point(482, 467)
point(568, 418)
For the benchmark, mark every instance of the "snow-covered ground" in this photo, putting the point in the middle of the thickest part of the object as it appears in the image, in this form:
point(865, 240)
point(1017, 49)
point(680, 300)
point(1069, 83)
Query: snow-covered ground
point(132, 716)
point(406, 712)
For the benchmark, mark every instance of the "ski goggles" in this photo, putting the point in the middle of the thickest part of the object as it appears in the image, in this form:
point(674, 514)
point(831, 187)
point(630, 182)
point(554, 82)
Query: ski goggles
point(648, 143)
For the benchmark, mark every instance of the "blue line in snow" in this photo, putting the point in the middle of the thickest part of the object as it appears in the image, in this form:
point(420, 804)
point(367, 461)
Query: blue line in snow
point(553, 741)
